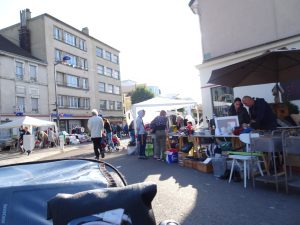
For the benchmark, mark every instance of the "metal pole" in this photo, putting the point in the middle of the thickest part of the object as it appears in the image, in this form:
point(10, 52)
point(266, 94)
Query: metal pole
point(55, 92)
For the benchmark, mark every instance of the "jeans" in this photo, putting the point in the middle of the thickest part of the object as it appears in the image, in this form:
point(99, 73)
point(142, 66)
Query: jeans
point(109, 140)
point(160, 143)
point(142, 140)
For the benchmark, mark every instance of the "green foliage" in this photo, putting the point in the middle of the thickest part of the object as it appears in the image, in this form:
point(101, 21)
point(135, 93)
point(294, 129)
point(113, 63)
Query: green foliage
point(141, 94)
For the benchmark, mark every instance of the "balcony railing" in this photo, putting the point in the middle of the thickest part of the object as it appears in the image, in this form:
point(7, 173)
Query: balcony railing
point(69, 85)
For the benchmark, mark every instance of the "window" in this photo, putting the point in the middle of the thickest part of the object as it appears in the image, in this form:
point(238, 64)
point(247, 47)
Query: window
point(108, 72)
point(72, 81)
point(84, 103)
point(72, 60)
point(73, 102)
point(111, 105)
point(70, 38)
point(119, 105)
point(116, 90)
point(101, 87)
point(100, 69)
point(116, 74)
point(57, 33)
point(103, 104)
point(35, 105)
point(85, 83)
point(115, 59)
point(20, 104)
point(109, 88)
point(107, 56)
point(82, 44)
point(99, 52)
point(33, 73)
point(60, 101)
point(20, 70)
point(222, 97)
point(83, 63)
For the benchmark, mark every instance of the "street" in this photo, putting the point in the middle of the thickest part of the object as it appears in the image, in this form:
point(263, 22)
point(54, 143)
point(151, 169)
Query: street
point(192, 197)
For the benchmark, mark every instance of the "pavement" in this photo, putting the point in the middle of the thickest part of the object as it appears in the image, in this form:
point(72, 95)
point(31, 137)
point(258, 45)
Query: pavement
point(13, 156)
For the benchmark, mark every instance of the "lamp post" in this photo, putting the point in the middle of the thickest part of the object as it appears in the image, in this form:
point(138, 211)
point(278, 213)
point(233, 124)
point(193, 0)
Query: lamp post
point(65, 58)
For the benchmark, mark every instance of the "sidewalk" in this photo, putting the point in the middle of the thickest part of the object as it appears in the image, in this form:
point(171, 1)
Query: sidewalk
point(12, 157)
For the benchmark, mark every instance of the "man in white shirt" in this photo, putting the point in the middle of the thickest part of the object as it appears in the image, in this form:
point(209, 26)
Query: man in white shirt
point(96, 127)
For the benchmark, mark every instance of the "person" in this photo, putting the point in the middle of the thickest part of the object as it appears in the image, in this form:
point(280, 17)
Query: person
point(21, 133)
point(190, 127)
point(26, 132)
point(108, 130)
point(141, 132)
point(261, 114)
point(43, 137)
point(131, 133)
point(237, 109)
point(160, 125)
point(96, 127)
point(51, 138)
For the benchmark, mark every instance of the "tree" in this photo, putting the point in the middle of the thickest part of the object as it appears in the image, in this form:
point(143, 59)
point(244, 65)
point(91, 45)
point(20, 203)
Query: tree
point(141, 94)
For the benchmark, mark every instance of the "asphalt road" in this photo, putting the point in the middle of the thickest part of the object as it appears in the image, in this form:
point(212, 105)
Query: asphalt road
point(195, 198)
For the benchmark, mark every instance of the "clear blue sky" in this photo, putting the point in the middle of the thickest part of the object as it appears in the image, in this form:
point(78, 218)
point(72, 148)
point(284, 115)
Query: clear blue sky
point(159, 40)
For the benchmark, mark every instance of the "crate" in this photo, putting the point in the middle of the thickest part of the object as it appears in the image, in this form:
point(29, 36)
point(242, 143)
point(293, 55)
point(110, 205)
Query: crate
point(203, 167)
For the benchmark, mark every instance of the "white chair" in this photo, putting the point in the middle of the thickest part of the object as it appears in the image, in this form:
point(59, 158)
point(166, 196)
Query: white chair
point(246, 157)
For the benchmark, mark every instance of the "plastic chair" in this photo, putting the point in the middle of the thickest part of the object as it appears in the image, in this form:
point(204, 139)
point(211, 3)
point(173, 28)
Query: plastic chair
point(247, 157)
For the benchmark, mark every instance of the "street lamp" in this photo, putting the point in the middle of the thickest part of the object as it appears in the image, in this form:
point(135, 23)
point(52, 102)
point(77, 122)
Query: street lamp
point(65, 58)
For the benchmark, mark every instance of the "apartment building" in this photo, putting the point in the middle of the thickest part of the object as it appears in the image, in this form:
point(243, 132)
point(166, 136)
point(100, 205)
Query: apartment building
point(89, 78)
point(233, 31)
point(23, 83)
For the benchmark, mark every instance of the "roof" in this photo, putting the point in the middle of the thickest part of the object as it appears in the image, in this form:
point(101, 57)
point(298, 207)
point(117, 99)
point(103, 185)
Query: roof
point(7, 46)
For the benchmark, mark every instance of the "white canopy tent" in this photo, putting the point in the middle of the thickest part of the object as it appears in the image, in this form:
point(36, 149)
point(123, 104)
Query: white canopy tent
point(154, 105)
point(27, 121)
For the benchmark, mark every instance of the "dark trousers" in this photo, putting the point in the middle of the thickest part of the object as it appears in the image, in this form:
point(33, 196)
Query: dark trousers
point(97, 145)
point(142, 140)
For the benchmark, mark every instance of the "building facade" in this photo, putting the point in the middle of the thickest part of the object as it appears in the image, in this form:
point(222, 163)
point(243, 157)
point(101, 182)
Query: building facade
point(234, 31)
point(89, 78)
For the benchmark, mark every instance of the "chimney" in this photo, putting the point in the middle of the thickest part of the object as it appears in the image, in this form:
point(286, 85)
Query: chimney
point(24, 34)
point(85, 30)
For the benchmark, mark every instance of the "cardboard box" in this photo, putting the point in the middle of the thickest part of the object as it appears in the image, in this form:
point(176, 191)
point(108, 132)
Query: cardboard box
point(188, 163)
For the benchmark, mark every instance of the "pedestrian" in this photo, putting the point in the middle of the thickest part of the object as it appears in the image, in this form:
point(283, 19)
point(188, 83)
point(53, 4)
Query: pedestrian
point(160, 127)
point(96, 127)
point(51, 137)
point(109, 135)
point(142, 135)
point(21, 134)
point(26, 132)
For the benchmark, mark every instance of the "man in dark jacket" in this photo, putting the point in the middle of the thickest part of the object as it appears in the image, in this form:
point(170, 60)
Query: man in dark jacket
point(261, 114)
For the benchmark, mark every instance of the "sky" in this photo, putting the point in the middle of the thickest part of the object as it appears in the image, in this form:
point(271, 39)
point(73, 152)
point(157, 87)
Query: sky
point(159, 40)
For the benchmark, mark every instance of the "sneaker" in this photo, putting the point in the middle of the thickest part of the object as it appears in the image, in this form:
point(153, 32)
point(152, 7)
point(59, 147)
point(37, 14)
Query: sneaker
point(97, 157)
point(142, 157)
point(28, 152)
